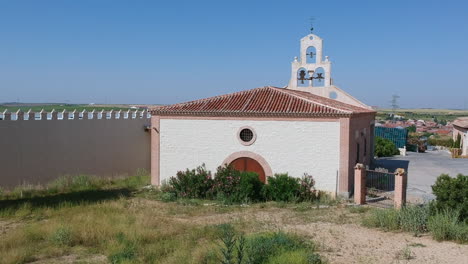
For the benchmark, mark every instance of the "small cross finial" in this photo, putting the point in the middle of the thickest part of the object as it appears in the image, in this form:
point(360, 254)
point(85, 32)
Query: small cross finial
point(312, 19)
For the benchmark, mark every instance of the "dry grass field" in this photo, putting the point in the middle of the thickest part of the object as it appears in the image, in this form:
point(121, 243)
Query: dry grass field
point(424, 113)
point(123, 223)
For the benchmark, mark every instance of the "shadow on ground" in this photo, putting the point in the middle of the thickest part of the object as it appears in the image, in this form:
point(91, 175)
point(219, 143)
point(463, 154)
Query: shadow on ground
point(391, 164)
point(70, 199)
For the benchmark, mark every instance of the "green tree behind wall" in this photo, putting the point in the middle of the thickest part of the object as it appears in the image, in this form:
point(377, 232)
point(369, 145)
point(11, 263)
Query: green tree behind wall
point(385, 148)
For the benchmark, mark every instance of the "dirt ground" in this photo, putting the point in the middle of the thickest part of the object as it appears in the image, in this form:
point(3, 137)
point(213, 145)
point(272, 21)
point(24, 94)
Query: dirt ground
point(349, 243)
point(340, 238)
point(335, 231)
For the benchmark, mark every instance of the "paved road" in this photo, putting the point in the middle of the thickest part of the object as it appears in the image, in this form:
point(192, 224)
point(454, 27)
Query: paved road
point(424, 168)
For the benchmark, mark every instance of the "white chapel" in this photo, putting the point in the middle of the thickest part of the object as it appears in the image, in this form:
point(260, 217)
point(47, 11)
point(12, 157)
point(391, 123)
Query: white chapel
point(310, 126)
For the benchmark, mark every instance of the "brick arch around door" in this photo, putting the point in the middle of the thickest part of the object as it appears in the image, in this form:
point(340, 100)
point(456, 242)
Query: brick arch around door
point(250, 161)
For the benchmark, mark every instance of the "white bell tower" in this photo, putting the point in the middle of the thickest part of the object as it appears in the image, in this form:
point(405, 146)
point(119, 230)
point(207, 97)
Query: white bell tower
point(312, 73)
point(311, 63)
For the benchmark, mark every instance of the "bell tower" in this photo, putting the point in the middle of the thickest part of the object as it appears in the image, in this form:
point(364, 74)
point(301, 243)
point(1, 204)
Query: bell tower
point(311, 72)
point(311, 69)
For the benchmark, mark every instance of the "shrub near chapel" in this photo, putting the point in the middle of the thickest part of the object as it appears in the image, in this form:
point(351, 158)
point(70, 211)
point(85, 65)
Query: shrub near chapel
point(232, 185)
point(452, 194)
point(195, 183)
point(281, 187)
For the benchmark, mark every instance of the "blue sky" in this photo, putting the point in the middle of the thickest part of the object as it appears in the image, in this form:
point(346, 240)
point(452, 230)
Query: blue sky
point(161, 52)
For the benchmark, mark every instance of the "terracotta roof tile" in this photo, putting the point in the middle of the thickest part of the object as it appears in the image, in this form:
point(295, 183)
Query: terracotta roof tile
point(264, 101)
point(461, 122)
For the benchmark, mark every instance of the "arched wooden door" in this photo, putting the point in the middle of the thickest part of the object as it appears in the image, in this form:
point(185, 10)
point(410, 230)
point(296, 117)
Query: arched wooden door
point(248, 164)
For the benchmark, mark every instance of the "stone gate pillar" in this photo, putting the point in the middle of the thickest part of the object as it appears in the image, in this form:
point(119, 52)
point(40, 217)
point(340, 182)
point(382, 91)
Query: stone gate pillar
point(401, 180)
point(359, 184)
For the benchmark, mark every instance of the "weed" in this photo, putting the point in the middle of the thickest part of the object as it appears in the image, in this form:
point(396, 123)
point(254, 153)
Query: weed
point(168, 197)
point(414, 219)
point(405, 254)
point(387, 220)
point(444, 225)
point(62, 236)
point(126, 250)
point(262, 247)
point(229, 240)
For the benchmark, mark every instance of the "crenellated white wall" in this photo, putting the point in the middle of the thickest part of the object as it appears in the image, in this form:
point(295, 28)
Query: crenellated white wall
point(37, 148)
point(296, 147)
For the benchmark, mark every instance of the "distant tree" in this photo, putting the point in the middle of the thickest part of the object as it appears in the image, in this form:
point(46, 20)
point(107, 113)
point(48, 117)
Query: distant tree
point(418, 143)
point(445, 142)
point(443, 122)
point(385, 148)
point(411, 129)
point(427, 134)
point(457, 143)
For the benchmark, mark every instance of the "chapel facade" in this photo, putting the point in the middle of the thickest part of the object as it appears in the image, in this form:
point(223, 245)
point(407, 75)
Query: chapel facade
point(310, 126)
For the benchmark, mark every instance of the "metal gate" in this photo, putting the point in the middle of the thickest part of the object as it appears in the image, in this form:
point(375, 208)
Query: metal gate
point(379, 186)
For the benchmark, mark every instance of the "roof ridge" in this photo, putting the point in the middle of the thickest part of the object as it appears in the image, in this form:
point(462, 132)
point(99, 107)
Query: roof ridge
point(310, 100)
point(266, 100)
point(205, 100)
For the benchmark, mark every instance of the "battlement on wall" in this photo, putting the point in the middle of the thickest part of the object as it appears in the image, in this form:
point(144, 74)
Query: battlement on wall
point(73, 115)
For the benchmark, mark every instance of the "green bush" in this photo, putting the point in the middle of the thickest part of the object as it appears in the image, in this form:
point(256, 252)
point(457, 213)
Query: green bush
point(445, 225)
point(250, 188)
point(282, 187)
point(385, 148)
point(233, 186)
point(226, 182)
point(452, 194)
point(194, 183)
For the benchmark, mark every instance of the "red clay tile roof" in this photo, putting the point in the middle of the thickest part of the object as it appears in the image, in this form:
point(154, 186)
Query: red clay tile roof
point(264, 101)
point(461, 122)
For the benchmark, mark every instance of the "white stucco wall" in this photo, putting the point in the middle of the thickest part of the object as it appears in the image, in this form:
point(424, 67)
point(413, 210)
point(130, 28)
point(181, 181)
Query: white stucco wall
point(295, 147)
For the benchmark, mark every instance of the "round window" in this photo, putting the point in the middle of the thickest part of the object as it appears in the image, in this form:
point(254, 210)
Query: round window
point(246, 136)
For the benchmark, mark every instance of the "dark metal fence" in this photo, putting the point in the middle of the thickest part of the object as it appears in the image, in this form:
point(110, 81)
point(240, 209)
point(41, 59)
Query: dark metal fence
point(380, 181)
